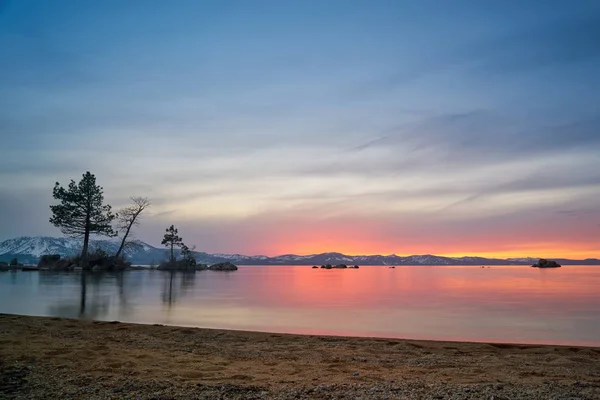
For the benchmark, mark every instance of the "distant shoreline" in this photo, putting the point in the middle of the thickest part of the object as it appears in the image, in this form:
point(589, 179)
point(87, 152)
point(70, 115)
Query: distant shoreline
point(51, 358)
point(143, 253)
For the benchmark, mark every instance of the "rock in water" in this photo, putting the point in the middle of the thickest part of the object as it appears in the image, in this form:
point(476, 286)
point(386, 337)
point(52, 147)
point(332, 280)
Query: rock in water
point(223, 266)
point(54, 262)
point(63, 265)
point(543, 263)
point(181, 265)
point(48, 260)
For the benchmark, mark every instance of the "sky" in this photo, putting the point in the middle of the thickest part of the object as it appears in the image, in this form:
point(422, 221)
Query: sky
point(273, 127)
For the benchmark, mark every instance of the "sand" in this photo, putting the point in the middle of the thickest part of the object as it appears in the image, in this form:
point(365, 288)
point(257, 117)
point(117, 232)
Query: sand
point(51, 358)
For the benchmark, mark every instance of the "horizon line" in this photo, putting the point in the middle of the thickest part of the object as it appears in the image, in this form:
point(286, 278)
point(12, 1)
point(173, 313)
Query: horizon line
point(328, 252)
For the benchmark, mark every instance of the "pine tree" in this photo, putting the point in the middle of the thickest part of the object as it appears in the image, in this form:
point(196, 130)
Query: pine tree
point(81, 211)
point(188, 254)
point(171, 240)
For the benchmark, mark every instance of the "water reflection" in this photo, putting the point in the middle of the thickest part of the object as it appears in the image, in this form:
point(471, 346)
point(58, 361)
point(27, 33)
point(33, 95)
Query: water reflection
point(176, 284)
point(454, 303)
point(88, 295)
point(94, 295)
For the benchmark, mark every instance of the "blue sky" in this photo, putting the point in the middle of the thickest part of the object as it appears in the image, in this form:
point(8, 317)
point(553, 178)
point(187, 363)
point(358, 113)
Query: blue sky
point(394, 126)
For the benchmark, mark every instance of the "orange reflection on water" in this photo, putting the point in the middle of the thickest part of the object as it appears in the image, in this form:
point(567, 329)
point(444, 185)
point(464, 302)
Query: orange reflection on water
point(307, 286)
point(501, 304)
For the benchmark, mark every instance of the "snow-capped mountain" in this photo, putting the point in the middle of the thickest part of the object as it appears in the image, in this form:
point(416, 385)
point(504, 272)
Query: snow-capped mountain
point(29, 249)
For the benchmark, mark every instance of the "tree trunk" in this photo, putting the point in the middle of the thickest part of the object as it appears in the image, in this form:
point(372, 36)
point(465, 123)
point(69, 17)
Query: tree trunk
point(123, 241)
point(86, 240)
point(84, 251)
point(83, 294)
point(172, 256)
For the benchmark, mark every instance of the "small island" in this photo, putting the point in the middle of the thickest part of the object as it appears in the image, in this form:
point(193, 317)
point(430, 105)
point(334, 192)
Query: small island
point(338, 266)
point(543, 263)
point(186, 265)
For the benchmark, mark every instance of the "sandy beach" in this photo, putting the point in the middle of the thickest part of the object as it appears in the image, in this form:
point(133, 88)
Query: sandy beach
point(52, 358)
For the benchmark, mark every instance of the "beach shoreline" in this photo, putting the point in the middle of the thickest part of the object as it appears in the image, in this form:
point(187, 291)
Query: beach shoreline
point(44, 357)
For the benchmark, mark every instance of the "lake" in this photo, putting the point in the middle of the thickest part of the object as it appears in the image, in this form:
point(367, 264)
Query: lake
point(497, 304)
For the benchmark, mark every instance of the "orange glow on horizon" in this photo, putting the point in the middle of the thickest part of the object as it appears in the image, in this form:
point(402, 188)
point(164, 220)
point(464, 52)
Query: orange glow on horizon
point(568, 254)
point(363, 236)
point(361, 247)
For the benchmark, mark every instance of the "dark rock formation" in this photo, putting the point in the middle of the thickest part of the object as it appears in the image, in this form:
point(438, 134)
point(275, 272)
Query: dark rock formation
point(63, 264)
point(543, 263)
point(340, 266)
point(55, 263)
point(47, 261)
point(181, 265)
point(314, 266)
point(109, 263)
point(355, 267)
point(223, 266)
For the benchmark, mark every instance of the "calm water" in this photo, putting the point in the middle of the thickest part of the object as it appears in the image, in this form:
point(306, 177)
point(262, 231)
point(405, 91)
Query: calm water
point(502, 304)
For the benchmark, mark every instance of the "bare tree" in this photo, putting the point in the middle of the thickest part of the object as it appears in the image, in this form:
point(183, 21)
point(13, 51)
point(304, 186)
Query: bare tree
point(128, 217)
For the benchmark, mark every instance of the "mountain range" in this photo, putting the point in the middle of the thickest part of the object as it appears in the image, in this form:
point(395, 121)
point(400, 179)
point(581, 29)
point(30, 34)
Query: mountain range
point(28, 250)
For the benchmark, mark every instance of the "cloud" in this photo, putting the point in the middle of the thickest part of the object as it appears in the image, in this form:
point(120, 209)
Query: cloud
point(564, 41)
point(245, 138)
point(486, 134)
point(25, 213)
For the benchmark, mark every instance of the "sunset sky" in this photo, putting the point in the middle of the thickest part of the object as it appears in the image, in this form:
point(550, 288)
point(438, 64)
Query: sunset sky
point(272, 127)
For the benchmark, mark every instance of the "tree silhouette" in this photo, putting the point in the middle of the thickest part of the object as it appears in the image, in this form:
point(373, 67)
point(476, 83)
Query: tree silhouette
point(81, 211)
point(128, 217)
point(188, 254)
point(171, 240)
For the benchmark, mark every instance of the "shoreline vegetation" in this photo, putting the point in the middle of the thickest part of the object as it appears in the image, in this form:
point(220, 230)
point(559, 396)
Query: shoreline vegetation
point(81, 213)
point(54, 262)
point(49, 358)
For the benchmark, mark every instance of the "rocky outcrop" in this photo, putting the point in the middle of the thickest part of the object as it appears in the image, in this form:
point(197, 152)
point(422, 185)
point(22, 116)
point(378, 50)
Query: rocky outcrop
point(223, 266)
point(337, 266)
point(63, 264)
point(109, 263)
point(48, 261)
point(181, 265)
point(53, 262)
point(186, 265)
point(543, 263)
point(314, 266)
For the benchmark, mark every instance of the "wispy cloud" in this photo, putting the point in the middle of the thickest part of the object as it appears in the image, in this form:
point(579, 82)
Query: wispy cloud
point(564, 41)
point(240, 123)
